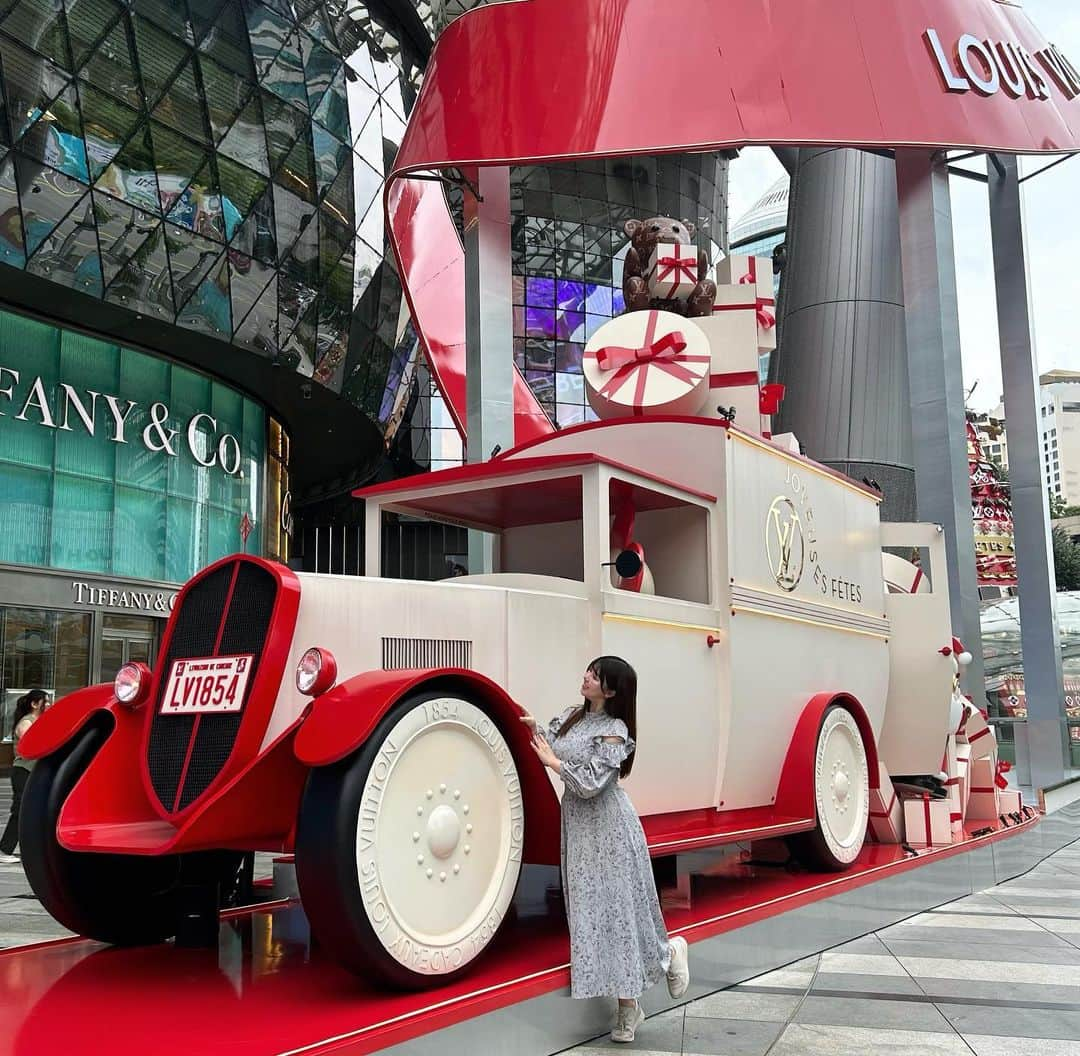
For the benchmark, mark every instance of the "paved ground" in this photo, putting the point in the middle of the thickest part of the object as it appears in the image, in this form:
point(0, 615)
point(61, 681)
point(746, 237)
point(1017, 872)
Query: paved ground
point(995, 974)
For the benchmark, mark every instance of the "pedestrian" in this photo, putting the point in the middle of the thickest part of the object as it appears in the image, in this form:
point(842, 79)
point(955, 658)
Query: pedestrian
point(28, 709)
point(619, 946)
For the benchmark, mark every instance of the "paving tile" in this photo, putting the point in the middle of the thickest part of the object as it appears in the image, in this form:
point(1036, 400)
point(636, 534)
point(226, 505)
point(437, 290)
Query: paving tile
point(984, 1045)
point(1010, 953)
point(1014, 1022)
point(736, 1004)
point(885, 964)
point(857, 1011)
point(953, 937)
point(1034, 994)
point(856, 983)
point(1002, 921)
point(804, 1039)
point(1064, 926)
point(729, 1037)
point(1008, 972)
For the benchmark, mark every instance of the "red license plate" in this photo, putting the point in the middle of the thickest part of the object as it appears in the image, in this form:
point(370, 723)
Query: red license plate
point(215, 684)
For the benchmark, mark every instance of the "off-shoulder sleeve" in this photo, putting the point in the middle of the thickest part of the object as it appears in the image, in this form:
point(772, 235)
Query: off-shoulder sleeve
point(590, 777)
point(555, 725)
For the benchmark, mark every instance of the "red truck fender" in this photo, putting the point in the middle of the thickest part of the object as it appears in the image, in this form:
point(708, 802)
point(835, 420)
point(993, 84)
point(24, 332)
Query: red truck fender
point(795, 794)
point(343, 718)
point(67, 716)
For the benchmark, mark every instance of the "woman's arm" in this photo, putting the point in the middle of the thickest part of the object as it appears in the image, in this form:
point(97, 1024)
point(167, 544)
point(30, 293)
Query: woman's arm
point(587, 779)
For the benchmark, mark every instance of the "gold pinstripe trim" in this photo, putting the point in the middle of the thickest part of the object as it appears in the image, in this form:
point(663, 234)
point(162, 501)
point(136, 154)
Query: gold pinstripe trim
point(619, 618)
point(810, 623)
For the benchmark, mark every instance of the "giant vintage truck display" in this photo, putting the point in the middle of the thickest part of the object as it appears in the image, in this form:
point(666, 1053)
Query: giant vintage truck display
point(372, 724)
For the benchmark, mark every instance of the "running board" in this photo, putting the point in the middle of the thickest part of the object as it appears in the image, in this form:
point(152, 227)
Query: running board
point(692, 830)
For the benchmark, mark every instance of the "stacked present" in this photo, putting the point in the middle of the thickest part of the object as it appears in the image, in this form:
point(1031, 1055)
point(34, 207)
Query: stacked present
point(742, 326)
point(650, 362)
point(886, 810)
point(987, 787)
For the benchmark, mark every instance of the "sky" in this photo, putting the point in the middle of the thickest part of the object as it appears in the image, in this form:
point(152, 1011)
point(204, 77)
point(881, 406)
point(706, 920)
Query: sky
point(1052, 212)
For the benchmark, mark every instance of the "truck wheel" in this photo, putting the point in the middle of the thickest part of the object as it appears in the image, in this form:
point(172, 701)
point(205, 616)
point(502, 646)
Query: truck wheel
point(841, 795)
point(408, 851)
point(122, 899)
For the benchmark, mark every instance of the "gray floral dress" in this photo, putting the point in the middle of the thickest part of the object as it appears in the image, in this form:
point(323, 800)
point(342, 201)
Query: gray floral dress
point(618, 941)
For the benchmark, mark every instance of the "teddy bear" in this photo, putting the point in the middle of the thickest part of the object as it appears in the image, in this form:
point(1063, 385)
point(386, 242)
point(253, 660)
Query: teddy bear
point(644, 235)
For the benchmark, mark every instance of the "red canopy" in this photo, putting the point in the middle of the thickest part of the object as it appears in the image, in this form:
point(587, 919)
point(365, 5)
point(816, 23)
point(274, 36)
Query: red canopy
point(555, 80)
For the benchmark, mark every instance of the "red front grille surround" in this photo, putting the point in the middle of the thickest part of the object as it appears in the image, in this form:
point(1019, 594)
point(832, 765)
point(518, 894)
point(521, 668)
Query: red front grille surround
point(239, 604)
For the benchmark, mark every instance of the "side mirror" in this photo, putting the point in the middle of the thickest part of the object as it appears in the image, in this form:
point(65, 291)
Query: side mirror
point(628, 564)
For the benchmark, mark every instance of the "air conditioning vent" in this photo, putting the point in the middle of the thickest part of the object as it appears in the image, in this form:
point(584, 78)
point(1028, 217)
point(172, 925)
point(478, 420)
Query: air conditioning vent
point(399, 653)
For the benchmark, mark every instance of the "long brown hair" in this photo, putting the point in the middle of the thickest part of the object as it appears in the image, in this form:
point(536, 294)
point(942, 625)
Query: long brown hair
point(615, 676)
point(25, 704)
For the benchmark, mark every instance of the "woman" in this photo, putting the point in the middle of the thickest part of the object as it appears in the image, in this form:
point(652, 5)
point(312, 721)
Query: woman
point(28, 709)
point(619, 946)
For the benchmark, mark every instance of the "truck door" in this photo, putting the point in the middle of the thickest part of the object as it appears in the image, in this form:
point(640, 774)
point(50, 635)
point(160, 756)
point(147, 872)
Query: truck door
point(913, 736)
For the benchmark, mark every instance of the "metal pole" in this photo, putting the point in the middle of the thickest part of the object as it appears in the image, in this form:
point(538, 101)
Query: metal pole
point(938, 427)
point(489, 328)
point(1039, 632)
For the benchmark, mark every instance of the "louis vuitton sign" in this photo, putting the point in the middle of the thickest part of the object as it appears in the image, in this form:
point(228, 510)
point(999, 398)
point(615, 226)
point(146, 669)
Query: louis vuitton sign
point(992, 66)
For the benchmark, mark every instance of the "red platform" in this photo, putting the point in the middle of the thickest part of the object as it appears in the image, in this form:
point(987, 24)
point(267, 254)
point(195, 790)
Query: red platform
point(263, 991)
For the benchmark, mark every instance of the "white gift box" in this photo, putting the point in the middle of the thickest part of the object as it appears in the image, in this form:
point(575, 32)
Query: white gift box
point(732, 335)
point(673, 271)
point(755, 273)
point(1009, 801)
point(650, 362)
point(926, 822)
point(975, 731)
point(983, 795)
point(886, 810)
point(963, 773)
point(950, 764)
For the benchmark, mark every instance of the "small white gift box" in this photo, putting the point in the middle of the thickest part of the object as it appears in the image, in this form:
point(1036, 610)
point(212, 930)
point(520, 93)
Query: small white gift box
point(983, 796)
point(886, 810)
point(976, 732)
point(649, 362)
point(926, 822)
point(673, 271)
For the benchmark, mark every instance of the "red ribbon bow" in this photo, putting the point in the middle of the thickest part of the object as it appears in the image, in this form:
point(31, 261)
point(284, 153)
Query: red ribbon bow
point(685, 265)
point(611, 357)
point(665, 353)
point(1003, 767)
point(766, 320)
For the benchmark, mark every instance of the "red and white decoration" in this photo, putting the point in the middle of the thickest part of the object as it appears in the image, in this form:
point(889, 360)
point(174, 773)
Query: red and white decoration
point(886, 810)
point(977, 734)
point(755, 275)
point(650, 362)
point(673, 271)
point(927, 822)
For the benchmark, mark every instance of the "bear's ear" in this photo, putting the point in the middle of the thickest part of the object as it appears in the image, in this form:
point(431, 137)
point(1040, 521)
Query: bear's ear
point(689, 228)
point(632, 227)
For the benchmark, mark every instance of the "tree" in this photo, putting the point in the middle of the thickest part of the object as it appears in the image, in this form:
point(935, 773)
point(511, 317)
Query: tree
point(1066, 561)
point(1057, 505)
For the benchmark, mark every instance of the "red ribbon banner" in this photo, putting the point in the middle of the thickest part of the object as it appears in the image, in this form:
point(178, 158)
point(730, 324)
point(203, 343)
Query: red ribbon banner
point(1003, 767)
point(665, 353)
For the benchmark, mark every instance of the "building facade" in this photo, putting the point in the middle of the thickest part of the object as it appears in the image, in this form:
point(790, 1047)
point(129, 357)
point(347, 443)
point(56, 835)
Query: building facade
point(201, 336)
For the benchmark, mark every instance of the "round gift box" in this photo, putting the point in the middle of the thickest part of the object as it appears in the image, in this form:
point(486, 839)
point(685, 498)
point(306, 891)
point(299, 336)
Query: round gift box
point(655, 373)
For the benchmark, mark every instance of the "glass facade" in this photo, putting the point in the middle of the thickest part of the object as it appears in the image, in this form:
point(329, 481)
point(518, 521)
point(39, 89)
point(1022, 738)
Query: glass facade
point(113, 461)
point(213, 164)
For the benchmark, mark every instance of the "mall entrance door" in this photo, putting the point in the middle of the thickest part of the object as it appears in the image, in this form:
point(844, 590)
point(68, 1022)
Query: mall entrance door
point(125, 639)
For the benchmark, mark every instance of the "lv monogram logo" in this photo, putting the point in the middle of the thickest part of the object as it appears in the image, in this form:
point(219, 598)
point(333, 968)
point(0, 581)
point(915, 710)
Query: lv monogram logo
point(784, 543)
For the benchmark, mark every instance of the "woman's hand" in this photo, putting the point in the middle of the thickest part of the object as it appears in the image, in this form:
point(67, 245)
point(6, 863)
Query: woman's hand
point(544, 753)
point(530, 721)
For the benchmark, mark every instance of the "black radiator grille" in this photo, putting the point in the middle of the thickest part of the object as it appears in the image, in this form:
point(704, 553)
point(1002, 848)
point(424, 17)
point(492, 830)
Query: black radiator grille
point(195, 631)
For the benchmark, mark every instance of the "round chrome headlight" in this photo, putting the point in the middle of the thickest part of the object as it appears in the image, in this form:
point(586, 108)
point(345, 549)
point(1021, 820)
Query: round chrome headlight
point(132, 684)
point(316, 672)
